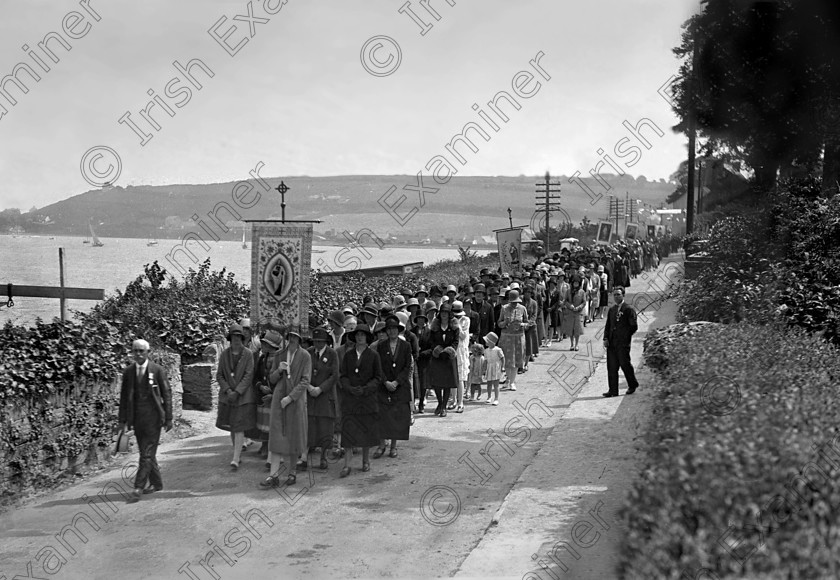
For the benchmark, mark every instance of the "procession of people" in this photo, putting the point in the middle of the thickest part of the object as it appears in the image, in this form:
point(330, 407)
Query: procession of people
point(356, 381)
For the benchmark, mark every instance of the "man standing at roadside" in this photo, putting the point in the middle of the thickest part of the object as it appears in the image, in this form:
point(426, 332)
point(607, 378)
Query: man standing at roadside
point(146, 407)
point(620, 327)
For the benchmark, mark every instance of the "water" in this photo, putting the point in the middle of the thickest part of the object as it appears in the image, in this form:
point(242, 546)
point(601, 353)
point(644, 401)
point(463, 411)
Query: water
point(33, 260)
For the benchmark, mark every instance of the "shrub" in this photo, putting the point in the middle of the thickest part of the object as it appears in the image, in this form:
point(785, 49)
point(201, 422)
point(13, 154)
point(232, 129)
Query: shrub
point(722, 463)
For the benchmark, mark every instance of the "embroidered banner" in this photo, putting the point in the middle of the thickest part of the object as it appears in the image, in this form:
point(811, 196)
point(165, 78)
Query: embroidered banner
point(510, 249)
point(281, 256)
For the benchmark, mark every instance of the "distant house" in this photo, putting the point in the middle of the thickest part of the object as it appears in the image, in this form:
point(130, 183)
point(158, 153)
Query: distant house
point(719, 183)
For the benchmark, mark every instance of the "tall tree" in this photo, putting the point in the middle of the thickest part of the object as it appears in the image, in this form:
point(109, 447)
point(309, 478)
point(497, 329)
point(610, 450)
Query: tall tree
point(767, 82)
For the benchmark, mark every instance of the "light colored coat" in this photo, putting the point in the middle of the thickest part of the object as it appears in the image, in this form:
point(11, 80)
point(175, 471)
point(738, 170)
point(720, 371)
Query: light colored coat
point(289, 426)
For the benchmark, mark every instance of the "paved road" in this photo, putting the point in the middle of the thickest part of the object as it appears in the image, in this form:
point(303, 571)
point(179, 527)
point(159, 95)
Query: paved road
point(428, 513)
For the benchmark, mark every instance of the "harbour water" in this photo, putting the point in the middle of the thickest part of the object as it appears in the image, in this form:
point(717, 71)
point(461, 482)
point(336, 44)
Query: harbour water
point(33, 260)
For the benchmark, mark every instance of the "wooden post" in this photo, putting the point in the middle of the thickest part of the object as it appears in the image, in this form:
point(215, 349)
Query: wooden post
point(62, 299)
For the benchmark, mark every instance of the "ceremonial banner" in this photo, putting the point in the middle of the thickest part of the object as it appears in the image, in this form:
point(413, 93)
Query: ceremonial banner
point(632, 231)
point(510, 249)
point(604, 233)
point(281, 256)
point(651, 232)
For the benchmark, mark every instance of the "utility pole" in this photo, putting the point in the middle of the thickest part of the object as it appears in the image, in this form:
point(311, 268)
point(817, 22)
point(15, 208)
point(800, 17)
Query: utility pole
point(616, 210)
point(692, 137)
point(547, 200)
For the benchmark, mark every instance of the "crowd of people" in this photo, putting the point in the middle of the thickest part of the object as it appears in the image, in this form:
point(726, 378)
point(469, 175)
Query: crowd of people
point(356, 382)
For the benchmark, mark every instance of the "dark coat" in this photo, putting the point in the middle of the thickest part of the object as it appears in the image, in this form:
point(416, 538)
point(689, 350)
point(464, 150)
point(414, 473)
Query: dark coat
point(619, 333)
point(325, 369)
point(155, 378)
point(443, 372)
point(395, 367)
point(360, 382)
point(238, 378)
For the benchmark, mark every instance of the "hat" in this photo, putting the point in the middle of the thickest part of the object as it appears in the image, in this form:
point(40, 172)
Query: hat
point(274, 324)
point(235, 329)
point(399, 301)
point(494, 291)
point(349, 310)
point(394, 322)
point(480, 288)
point(336, 316)
point(294, 331)
point(600, 268)
point(445, 307)
point(505, 275)
point(385, 309)
point(273, 339)
point(245, 322)
point(380, 325)
point(451, 288)
point(412, 302)
point(422, 290)
point(362, 328)
point(513, 296)
point(491, 337)
point(403, 317)
point(457, 308)
point(514, 286)
point(320, 334)
point(370, 309)
point(469, 290)
point(436, 291)
point(406, 292)
point(422, 315)
point(484, 271)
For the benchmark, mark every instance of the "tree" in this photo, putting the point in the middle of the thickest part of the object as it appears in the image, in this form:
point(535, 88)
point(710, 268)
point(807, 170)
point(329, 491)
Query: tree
point(767, 76)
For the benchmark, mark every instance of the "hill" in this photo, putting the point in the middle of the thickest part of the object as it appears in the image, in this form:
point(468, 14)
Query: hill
point(466, 206)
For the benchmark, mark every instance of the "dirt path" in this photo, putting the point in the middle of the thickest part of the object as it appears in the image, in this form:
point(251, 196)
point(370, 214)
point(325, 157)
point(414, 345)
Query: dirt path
point(427, 513)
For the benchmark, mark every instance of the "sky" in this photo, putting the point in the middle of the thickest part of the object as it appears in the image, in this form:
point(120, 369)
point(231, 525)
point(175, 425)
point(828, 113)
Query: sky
point(326, 87)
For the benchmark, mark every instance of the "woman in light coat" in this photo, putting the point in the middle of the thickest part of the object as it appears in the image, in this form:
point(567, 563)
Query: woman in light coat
point(291, 373)
point(237, 410)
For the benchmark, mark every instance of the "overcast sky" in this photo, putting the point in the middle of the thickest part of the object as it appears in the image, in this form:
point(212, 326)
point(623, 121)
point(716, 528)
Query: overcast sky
point(297, 97)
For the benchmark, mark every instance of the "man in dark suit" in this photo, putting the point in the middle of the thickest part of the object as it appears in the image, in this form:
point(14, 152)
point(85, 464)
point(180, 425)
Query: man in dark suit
point(145, 406)
point(620, 327)
point(486, 315)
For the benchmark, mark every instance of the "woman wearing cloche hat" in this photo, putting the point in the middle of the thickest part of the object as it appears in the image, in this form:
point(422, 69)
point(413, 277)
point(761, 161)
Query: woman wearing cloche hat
point(320, 400)
point(512, 320)
point(237, 410)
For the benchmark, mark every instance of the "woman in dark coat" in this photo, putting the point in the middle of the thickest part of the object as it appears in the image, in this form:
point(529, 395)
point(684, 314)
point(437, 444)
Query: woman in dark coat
point(395, 391)
point(424, 355)
point(237, 410)
point(320, 404)
point(443, 374)
point(361, 375)
point(269, 345)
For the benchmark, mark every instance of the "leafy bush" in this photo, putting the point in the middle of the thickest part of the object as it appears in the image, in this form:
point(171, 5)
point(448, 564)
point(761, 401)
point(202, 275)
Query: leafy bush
point(731, 459)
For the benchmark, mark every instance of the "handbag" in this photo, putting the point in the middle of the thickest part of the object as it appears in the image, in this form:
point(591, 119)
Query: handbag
point(264, 418)
point(123, 442)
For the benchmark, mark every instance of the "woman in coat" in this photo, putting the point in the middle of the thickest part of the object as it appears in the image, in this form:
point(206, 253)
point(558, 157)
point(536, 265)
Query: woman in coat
point(513, 320)
point(290, 375)
point(237, 410)
point(320, 403)
point(269, 345)
point(443, 374)
point(574, 306)
point(424, 355)
point(395, 390)
point(361, 375)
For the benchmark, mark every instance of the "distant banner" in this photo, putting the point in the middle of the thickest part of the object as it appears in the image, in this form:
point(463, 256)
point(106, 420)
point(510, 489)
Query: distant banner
point(510, 249)
point(604, 233)
point(281, 256)
point(631, 231)
point(651, 232)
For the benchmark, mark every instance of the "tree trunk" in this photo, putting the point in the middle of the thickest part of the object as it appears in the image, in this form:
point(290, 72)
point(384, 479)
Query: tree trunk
point(831, 167)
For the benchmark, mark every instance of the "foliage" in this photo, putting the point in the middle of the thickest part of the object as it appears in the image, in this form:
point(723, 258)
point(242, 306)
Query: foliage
point(722, 464)
point(183, 316)
point(466, 255)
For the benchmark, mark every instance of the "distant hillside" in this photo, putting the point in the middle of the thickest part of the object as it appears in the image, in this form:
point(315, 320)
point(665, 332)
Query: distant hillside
point(476, 204)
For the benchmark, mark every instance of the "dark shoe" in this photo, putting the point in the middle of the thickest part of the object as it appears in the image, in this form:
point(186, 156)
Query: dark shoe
point(420, 410)
point(608, 395)
point(437, 410)
point(135, 496)
point(345, 471)
point(379, 453)
point(234, 466)
point(152, 489)
point(630, 391)
point(393, 452)
point(443, 412)
point(270, 482)
point(301, 465)
point(324, 464)
point(365, 466)
point(291, 480)
point(268, 465)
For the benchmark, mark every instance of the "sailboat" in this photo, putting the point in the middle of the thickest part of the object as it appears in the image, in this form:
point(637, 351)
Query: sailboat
point(244, 244)
point(97, 243)
point(152, 242)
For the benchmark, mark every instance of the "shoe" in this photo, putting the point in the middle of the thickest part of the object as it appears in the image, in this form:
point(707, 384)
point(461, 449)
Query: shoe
point(268, 465)
point(324, 464)
point(489, 402)
point(437, 410)
point(630, 391)
point(345, 471)
point(234, 465)
point(495, 403)
point(608, 395)
point(420, 410)
point(393, 452)
point(302, 465)
point(291, 480)
point(151, 489)
point(520, 371)
point(467, 398)
point(459, 409)
point(411, 423)
point(450, 406)
point(270, 482)
point(365, 466)
point(443, 412)
point(379, 453)
point(135, 496)
point(571, 348)
point(512, 387)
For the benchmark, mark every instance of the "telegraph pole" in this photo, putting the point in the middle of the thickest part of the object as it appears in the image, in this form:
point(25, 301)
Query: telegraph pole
point(692, 137)
point(549, 204)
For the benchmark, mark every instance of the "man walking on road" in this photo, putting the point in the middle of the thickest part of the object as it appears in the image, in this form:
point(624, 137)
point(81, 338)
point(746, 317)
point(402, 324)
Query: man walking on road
point(145, 406)
point(620, 327)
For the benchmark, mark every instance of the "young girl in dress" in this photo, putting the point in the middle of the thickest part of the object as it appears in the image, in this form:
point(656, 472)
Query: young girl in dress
point(495, 360)
point(478, 368)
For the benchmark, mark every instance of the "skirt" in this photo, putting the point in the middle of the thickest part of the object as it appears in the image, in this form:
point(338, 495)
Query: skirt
point(513, 345)
point(236, 419)
point(320, 431)
point(360, 430)
point(394, 421)
point(260, 432)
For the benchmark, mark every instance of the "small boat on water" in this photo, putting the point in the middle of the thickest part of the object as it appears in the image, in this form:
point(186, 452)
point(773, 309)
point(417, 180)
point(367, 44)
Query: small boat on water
point(244, 244)
point(97, 243)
